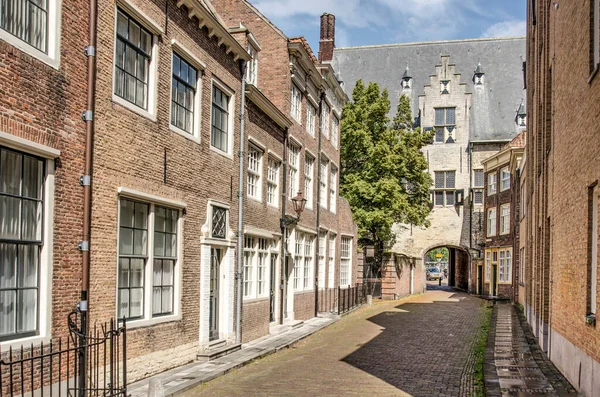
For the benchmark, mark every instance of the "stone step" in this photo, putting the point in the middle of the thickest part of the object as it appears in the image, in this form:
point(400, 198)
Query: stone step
point(275, 329)
point(217, 351)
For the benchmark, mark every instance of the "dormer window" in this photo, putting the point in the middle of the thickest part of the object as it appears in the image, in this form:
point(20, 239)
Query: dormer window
point(406, 80)
point(478, 75)
point(521, 118)
point(444, 86)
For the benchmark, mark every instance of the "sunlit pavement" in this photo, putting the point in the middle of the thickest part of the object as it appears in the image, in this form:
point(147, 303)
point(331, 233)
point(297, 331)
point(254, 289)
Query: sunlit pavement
point(418, 346)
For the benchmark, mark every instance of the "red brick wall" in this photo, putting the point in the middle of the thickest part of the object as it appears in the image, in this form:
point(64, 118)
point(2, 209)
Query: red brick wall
point(255, 319)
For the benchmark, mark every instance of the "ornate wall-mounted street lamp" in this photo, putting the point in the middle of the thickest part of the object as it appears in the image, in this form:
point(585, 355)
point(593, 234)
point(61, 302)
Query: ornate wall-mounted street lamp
point(299, 203)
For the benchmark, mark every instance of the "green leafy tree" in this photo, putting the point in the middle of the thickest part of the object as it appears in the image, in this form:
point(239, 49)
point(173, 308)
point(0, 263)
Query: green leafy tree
point(383, 172)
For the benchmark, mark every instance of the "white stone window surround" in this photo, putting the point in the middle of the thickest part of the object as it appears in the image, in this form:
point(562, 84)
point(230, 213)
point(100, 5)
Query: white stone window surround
point(504, 219)
point(52, 56)
point(331, 260)
point(141, 18)
point(273, 175)
point(492, 183)
point(46, 255)
point(152, 201)
point(254, 168)
point(488, 266)
point(505, 266)
point(255, 251)
point(294, 151)
point(491, 222)
point(188, 56)
point(215, 82)
point(504, 179)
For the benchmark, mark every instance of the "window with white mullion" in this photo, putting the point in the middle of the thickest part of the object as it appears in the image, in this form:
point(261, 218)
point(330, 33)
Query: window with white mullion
point(345, 262)
point(322, 252)
point(492, 183)
point(501, 267)
point(261, 279)
point(27, 20)
point(331, 273)
point(21, 241)
point(294, 163)
point(324, 119)
point(254, 172)
point(491, 222)
point(323, 194)
point(296, 101)
point(298, 251)
point(132, 60)
point(488, 266)
point(311, 115)
point(249, 252)
point(273, 182)
point(252, 66)
point(308, 261)
point(183, 94)
point(505, 219)
point(165, 257)
point(505, 179)
point(335, 129)
point(309, 162)
point(333, 190)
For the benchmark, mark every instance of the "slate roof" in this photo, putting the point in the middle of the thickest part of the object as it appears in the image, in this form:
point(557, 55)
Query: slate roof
point(493, 108)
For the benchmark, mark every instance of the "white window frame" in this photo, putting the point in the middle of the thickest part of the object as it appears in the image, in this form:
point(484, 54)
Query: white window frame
point(249, 267)
point(333, 189)
point(522, 263)
point(154, 28)
point(255, 248)
point(185, 54)
point(491, 222)
point(346, 262)
point(505, 179)
point(324, 119)
point(308, 262)
point(44, 305)
point(254, 175)
point(294, 166)
point(504, 219)
point(331, 260)
point(153, 201)
point(53, 35)
point(296, 103)
point(323, 194)
point(273, 168)
point(593, 286)
point(492, 183)
point(230, 120)
point(488, 267)
point(311, 116)
point(302, 253)
point(309, 176)
point(335, 131)
point(321, 258)
point(252, 66)
point(505, 266)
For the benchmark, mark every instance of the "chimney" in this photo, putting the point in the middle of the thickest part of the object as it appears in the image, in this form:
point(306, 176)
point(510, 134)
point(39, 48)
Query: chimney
point(327, 42)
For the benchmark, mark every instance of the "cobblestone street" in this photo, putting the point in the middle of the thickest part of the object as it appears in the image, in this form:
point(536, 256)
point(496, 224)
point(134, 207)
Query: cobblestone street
point(419, 346)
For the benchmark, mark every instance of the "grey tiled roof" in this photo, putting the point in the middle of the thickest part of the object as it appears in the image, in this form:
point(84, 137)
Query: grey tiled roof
point(493, 108)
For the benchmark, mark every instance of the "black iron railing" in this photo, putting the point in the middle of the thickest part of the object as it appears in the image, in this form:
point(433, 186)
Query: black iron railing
point(341, 300)
point(53, 369)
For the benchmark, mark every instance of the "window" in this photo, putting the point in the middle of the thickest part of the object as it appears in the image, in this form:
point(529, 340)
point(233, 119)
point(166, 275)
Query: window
point(444, 188)
point(488, 266)
point(325, 120)
point(273, 182)
point(294, 161)
point(478, 178)
point(505, 266)
point(183, 94)
point(309, 163)
point(593, 250)
point(505, 219)
point(345, 262)
point(252, 66)
point(219, 134)
point(331, 273)
point(21, 241)
point(219, 222)
point(478, 185)
point(299, 239)
point(254, 172)
point(523, 200)
point(296, 104)
point(505, 179)
point(335, 129)
point(322, 251)
point(308, 261)
point(27, 20)
point(323, 183)
point(445, 124)
point(491, 184)
point(333, 190)
point(311, 115)
point(263, 254)
point(522, 264)
point(491, 222)
point(248, 264)
point(444, 86)
point(136, 251)
point(132, 61)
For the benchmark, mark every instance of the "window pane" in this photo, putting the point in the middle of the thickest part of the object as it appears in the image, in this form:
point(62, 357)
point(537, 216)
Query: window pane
point(439, 179)
point(141, 216)
point(450, 176)
point(123, 272)
point(32, 177)
point(7, 312)
point(8, 265)
point(136, 278)
point(134, 33)
point(136, 302)
point(439, 198)
point(450, 116)
point(122, 24)
point(478, 182)
point(28, 266)
point(125, 241)
point(124, 303)
point(9, 217)
point(450, 198)
point(10, 168)
point(156, 300)
point(439, 116)
point(140, 242)
point(439, 135)
point(31, 220)
point(27, 310)
point(159, 244)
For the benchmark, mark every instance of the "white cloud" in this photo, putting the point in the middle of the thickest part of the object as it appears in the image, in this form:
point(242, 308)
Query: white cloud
point(506, 28)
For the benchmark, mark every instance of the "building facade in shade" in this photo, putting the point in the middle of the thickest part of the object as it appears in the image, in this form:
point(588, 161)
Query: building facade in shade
point(468, 92)
point(561, 186)
point(496, 276)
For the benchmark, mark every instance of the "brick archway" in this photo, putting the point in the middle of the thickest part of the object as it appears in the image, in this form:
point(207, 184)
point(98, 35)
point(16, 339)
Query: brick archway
point(459, 263)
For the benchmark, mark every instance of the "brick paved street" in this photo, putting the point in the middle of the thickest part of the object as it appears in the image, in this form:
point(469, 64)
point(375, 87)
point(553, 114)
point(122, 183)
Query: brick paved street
point(419, 346)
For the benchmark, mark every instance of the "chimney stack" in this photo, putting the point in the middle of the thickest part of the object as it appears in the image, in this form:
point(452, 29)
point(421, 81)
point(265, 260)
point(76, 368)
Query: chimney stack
point(327, 42)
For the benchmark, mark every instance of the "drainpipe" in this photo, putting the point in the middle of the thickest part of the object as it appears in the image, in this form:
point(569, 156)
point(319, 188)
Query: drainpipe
point(321, 99)
point(283, 248)
point(240, 232)
point(471, 195)
point(86, 182)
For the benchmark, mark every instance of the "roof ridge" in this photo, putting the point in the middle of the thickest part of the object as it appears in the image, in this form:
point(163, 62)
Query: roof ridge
point(432, 42)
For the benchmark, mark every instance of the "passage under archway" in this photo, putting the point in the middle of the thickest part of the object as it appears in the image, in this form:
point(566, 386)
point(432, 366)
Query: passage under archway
point(449, 263)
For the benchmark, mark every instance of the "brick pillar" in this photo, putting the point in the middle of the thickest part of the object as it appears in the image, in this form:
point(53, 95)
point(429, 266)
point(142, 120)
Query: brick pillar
point(327, 41)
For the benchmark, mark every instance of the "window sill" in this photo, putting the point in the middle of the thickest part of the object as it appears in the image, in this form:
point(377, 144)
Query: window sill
point(256, 300)
point(53, 62)
point(25, 342)
point(134, 108)
point(192, 137)
point(274, 206)
point(304, 291)
point(255, 199)
point(221, 153)
point(154, 321)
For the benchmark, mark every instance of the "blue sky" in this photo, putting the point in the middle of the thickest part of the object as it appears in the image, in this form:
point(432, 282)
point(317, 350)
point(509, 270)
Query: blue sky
point(369, 22)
